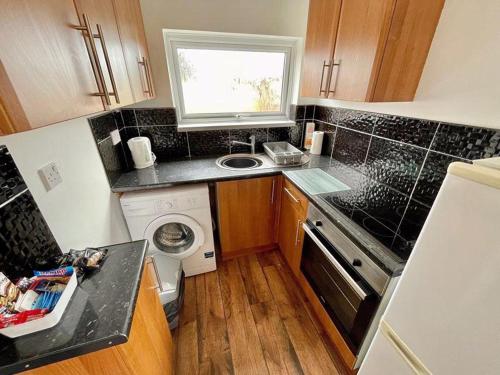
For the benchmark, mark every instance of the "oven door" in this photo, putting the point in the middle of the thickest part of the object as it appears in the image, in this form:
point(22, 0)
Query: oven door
point(349, 301)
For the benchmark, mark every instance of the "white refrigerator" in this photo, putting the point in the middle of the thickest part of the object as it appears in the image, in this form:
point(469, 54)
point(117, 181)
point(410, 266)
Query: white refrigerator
point(444, 316)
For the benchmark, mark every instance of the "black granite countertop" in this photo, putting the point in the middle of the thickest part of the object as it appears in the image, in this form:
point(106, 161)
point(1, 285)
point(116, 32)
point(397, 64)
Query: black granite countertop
point(196, 170)
point(98, 316)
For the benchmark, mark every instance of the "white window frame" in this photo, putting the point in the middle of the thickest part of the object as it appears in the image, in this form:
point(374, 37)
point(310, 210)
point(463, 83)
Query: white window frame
point(229, 41)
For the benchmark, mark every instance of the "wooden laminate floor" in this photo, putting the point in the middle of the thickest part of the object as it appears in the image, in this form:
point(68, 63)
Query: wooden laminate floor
point(250, 317)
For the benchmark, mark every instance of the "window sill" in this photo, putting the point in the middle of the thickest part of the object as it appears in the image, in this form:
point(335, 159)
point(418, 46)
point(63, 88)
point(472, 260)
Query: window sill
point(235, 125)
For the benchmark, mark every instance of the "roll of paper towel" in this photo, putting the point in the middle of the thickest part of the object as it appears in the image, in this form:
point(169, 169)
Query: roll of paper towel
point(317, 143)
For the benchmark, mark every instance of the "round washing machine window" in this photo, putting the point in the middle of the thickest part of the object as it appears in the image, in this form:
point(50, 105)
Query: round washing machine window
point(175, 235)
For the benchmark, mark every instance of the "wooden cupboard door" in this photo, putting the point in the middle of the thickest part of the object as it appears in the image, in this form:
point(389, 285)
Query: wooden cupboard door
point(45, 72)
point(246, 210)
point(322, 27)
point(361, 37)
point(133, 39)
point(291, 234)
point(101, 12)
point(410, 37)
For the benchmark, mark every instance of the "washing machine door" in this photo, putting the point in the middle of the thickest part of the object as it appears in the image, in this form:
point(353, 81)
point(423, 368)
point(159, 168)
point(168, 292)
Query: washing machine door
point(175, 235)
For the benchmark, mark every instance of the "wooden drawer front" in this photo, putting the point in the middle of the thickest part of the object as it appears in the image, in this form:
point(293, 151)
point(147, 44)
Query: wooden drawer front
point(293, 194)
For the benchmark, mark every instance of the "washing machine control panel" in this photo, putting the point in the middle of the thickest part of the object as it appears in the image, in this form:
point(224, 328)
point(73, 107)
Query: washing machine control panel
point(175, 204)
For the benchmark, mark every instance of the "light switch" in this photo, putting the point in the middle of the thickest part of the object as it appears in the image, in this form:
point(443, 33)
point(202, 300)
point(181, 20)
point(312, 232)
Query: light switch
point(50, 176)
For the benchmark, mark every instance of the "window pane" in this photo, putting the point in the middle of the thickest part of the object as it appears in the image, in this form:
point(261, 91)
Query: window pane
point(222, 81)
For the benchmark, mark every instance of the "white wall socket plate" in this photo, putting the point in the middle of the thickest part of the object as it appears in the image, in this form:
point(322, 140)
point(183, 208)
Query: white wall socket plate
point(115, 137)
point(50, 176)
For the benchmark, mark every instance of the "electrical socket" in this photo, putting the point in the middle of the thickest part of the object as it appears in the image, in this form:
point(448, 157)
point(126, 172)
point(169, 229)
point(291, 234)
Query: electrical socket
point(50, 176)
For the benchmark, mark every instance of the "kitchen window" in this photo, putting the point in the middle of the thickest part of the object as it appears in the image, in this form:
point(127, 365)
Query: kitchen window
point(223, 80)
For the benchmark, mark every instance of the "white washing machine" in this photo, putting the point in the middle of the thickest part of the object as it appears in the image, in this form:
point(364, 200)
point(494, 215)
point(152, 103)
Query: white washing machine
point(177, 223)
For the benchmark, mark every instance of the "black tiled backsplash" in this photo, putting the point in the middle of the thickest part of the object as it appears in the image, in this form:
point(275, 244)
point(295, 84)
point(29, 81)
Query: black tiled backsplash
point(155, 116)
point(467, 142)
point(160, 126)
point(407, 130)
point(24, 234)
point(396, 164)
point(350, 147)
point(207, 143)
point(166, 142)
point(405, 159)
point(11, 182)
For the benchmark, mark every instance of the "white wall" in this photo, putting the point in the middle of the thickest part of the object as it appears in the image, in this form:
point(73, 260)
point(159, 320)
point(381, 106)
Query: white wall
point(461, 79)
point(81, 211)
point(272, 17)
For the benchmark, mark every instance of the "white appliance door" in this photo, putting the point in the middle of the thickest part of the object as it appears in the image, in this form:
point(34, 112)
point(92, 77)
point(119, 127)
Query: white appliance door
point(446, 308)
point(175, 235)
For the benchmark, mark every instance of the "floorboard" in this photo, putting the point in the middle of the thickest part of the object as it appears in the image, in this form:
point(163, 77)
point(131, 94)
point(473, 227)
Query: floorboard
point(250, 317)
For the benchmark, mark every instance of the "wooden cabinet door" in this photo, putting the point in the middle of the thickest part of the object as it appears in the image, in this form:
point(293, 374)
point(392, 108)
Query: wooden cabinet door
point(320, 43)
point(361, 37)
point(293, 212)
point(133, 39)
point(45, 72)
point(101, 12)
point(246, 210)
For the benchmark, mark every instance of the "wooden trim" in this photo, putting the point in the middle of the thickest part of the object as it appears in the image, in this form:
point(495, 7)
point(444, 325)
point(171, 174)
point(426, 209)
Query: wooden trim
point(379, 56)
point(14, 119)
point(251, 250)
point(338, 341)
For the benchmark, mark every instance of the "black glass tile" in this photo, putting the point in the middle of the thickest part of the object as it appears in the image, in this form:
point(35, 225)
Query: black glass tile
point(413, 220)
point(383, 203)
point(120, 124)
point(467, 142)
point(127, 133)
point(155, 116)
point(24, 237)
point(211, 142)
point(296, 134)
point(243, 135)
point(376, 227)
point(408, 130)
point(394, 164)
point(432, 176)
point(11, 181)
point(328, 137)
point(357, 120)
point(128, 116)
point(113, 159)
point(300, 112)
point(102, 125)
point(350, 147)
point(326, 114)
point(309, 112)
point(277, 135)
point(166, 142)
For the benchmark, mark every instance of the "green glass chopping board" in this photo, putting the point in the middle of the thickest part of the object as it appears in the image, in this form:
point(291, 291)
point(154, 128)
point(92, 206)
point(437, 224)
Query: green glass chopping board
point(315, 181)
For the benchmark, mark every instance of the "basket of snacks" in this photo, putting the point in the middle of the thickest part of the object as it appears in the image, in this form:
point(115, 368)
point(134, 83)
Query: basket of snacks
point(34, 304)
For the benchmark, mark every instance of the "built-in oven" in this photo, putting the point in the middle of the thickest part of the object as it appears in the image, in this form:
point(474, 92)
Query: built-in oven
point(347, 282)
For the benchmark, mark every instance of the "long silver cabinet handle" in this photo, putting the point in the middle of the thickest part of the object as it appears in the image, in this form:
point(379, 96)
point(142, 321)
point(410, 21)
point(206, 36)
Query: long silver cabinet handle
point(100, 35)
point(97, 69)
point(291, 195)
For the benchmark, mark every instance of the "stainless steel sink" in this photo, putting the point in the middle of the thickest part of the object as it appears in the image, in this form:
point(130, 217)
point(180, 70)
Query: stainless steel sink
point(241, 161)
point(245, 162)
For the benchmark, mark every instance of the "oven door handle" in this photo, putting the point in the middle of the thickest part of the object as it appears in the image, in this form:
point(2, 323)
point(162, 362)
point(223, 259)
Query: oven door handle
point(354, 285)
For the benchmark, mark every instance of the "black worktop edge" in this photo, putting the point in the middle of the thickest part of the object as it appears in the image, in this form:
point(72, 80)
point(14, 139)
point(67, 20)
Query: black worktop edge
point(159, 185)
point(86, 348)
